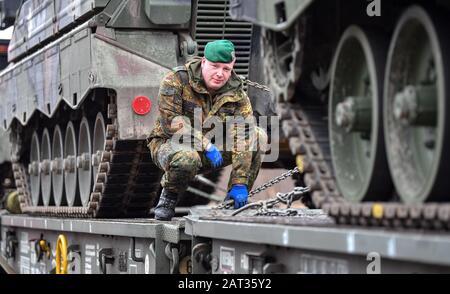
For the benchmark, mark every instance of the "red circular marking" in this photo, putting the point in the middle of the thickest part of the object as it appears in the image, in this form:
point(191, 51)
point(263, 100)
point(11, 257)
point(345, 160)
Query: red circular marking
point(142, 105)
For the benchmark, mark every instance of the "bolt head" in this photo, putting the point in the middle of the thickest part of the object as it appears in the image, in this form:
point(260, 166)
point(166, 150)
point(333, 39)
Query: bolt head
point(405, 105)
point(345, 113)
point(95, 160)
point(79, 161)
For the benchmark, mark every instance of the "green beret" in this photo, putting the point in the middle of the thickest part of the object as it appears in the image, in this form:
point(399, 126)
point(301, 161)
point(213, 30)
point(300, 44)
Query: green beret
point(220, 51)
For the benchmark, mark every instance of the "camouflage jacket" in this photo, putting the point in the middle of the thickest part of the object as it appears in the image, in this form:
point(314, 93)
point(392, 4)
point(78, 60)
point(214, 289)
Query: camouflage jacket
point(178, 98)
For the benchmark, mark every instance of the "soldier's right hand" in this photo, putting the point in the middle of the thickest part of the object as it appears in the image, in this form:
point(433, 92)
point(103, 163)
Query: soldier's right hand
point(213, 155)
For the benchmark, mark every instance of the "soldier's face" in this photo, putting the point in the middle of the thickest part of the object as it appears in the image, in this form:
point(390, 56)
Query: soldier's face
point(216, 74)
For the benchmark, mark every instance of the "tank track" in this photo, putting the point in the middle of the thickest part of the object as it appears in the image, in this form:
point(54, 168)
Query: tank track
point(125, 186)
point(308, 138)
point(307, 131)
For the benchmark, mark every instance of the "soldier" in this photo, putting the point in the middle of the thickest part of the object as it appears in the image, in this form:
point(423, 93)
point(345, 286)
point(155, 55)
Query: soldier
point(207, 87)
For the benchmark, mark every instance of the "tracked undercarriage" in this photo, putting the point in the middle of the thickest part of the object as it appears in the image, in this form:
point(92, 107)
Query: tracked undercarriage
point(362, 96)
point(80, 96)
point(312, 148)
point(125, 179)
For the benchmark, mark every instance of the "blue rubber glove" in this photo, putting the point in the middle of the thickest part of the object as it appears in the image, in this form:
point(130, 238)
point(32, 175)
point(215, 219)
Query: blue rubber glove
point(239, 194)
point(214, 156)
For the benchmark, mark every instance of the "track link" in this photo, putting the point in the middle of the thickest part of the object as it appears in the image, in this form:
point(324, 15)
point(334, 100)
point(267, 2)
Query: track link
point(307, 131)
point(125, 186)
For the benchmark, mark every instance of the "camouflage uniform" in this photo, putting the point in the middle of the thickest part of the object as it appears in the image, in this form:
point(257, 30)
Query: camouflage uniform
point(179, 95)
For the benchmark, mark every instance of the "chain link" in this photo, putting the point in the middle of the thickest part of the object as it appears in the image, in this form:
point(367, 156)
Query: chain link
point(276, 212)
point(274, 181)
point(264, 206)
point(254, 84)
point(229, 203)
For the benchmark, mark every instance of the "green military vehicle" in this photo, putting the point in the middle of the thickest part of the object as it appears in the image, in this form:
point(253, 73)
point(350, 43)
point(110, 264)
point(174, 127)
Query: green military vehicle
point(7, 195)
point(80, 96)
point(362, 90)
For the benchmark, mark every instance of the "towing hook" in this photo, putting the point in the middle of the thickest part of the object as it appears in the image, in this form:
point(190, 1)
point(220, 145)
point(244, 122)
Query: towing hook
point(172, 253)
point(41, 247)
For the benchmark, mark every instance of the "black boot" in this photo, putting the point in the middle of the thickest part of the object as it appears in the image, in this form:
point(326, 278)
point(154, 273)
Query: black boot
point(165, 209)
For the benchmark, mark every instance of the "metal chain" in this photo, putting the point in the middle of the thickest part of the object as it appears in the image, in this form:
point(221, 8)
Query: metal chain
point(229, 203)
point(254, 84)
point(274, 181)
point(276, 212)
point(265, 205)
point(226, 204)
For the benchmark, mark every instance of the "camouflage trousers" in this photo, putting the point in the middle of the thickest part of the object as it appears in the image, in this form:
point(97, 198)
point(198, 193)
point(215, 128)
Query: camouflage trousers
point(181, 165)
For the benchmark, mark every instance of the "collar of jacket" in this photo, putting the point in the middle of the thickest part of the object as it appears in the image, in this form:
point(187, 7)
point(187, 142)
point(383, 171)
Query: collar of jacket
point(197, 83)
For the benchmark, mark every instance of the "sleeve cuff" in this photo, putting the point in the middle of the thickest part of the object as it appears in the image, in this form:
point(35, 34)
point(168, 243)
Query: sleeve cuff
point(240, 181)
point(205, 143)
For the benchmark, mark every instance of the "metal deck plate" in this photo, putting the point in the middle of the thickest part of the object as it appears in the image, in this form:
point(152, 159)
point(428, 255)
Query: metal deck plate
point(407, 246)
point(142, 228)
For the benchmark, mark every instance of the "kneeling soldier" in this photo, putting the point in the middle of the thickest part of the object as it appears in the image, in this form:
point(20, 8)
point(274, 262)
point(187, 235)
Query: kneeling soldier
point(210, 88)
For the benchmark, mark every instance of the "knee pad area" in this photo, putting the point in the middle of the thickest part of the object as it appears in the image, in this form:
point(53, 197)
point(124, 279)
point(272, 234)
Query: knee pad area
point(187, 161)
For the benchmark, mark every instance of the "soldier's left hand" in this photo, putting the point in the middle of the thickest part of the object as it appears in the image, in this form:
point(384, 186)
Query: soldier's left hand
point(239, 194)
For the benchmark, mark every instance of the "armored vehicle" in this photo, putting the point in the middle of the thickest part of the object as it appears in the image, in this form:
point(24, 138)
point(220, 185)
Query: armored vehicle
point(324, 60)
point(80, 96)
point(6, 175)
point(362, 92)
